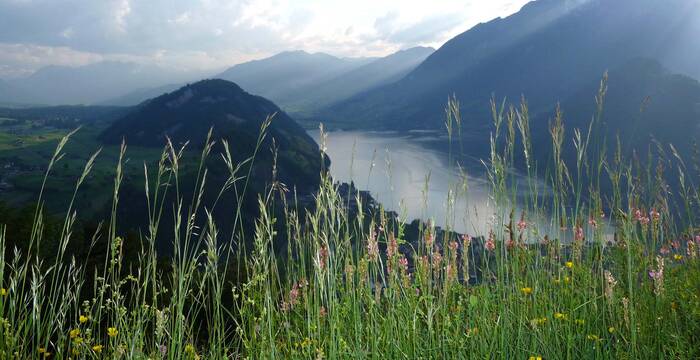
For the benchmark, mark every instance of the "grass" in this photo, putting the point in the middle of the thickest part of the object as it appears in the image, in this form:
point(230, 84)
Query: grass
point(567, 271)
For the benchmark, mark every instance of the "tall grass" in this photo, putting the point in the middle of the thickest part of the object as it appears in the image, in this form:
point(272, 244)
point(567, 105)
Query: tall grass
point(567, 271)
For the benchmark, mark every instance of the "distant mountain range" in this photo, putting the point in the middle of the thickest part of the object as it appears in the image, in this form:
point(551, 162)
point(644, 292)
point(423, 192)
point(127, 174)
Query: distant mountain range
point(302, 82)
point(547, 52)
point(89, 84)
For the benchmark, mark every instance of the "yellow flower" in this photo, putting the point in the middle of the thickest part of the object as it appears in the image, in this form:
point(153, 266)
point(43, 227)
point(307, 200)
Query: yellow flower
point(112, 332)
point(560, 316)
point(189, 349)
point(593, 337)
point(97, 348)
point(78, 340)
point(42, 350)
point(74, 333)
point(569, 264)
point(535, 358)
point(526, 290)
point(580, 321)
point(3, 292)
point(611, 329)
point(678, 257)
point(567, 279)
point(83, 319)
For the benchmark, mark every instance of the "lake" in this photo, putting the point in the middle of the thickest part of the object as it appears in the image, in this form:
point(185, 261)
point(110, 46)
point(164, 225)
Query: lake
point(409, 174)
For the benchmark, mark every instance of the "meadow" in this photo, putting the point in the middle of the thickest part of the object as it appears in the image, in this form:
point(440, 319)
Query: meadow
point(600, 262)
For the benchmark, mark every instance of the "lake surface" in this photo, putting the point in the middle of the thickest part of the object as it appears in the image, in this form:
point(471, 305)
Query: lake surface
point(409, 174)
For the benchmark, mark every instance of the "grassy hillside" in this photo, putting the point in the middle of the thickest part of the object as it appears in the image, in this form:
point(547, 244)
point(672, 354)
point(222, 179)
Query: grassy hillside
point(561, 274)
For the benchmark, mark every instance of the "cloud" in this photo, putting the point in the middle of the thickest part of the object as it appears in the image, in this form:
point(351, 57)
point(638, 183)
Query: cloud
point(216, 33)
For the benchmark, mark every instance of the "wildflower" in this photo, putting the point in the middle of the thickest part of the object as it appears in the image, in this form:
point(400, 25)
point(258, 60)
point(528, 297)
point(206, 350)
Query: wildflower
point(522, 225)
point(466, 241)
point(664, 250)
point(429, 240)
point(372, 246)
point(3, 292)
point(491, 242)
point(535, 358)
point(392, 247)
point(690, 249)
point(678, 257)
point(112, 331)
point(578, 234)
point(78, 340)
point(97, 348)
point(567, 279)
point(538, 322)
point(83, 319)
point(74, 333)
point(569, 264)
point(189, 349)
point(593, 222)
point(657, 276)
point(403, 262)
point(437, 260)
point(560, 316)
point(640, 217)
point(580, 322)
point(610, 282)
point(526, 291)
point(654, 215)
point(454, 246)
point(593, 337)
point(163, 349)
point(611, 329)
point(676, 244)
point(322, 257)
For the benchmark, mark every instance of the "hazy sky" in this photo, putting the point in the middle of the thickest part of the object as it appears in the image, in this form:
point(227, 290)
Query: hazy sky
point(211, 34)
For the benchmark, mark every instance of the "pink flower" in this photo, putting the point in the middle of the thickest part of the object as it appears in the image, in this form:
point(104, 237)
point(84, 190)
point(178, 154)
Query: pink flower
point(403, 262)
point(640, 217)
point(454, 246)
point(592, 222)
point(676, 244)
point(437, 260)
point(522, 225)
point(664, 250)
point(491, 242)
point(322, 257)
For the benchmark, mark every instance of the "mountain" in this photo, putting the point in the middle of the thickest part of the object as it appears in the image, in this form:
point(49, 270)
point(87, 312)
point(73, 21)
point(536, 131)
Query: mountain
point(645, 102)
point(548, 51)
point(235, 115)
point(89, 84)
point(282, 76)
point(301, 82)
point(140, 95)
point(379, 72)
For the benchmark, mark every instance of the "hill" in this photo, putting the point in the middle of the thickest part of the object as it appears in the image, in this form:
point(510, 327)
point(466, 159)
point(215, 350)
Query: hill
point(235, 115)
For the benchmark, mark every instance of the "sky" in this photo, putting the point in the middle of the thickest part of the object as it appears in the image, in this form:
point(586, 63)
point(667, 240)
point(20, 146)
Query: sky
point(198, 35)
